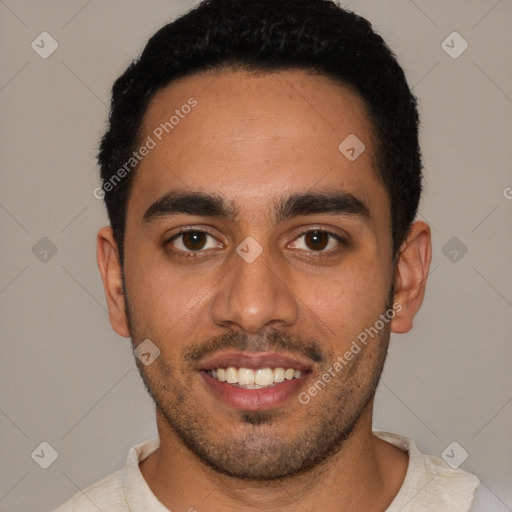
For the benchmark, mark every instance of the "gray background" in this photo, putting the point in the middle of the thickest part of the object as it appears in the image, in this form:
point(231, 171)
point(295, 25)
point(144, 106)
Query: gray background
point(68, 380)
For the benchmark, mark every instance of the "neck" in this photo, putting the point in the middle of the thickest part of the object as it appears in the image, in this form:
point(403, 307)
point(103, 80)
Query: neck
point(365, 474)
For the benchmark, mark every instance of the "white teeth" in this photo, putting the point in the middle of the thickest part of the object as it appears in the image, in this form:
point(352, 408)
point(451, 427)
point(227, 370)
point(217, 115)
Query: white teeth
point(264, 376)
point(254, 379)
point(288, 374)
point(278, 374)
point(231, 375)
point(246, 376)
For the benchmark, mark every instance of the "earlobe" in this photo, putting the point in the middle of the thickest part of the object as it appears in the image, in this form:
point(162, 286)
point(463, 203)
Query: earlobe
point(411, 276)
point(111, 274)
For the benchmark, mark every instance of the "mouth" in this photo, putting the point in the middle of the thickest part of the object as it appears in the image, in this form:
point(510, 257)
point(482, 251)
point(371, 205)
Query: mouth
point(249, 378)
point(253, 382)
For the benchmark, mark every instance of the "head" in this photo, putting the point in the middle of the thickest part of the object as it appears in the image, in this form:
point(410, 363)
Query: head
point(240, 224)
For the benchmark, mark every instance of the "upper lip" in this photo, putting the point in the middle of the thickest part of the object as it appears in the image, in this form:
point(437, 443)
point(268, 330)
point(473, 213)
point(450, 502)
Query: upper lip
point(254, 361)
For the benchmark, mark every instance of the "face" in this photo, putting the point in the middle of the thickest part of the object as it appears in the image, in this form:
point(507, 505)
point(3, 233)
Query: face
point(254, 246)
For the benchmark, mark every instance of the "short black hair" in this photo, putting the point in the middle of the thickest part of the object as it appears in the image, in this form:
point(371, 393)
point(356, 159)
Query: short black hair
point(270, 35)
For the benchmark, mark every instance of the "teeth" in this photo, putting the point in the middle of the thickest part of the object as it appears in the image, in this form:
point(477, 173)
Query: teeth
point(246, 376)
point(254, 379)
point(278, 374)
point(231, 375)
point(264, 376)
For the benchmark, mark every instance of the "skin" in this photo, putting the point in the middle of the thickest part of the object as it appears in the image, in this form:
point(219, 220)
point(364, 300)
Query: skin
point(253, 139)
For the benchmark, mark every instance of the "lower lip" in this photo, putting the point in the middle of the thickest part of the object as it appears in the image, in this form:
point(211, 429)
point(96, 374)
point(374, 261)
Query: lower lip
point(253, 399)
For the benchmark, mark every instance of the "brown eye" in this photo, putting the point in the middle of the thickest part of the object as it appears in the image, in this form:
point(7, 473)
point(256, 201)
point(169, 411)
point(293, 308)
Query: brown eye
point(317, 240)
point(194, 240)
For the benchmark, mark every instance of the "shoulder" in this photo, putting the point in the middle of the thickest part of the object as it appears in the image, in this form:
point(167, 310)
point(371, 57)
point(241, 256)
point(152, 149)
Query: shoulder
point(106, 494)
point(430, 483)
point(113, 493)
point(449, 486)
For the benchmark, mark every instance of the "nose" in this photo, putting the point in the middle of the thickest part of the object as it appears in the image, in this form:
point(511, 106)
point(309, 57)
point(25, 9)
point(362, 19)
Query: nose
point(255, 294)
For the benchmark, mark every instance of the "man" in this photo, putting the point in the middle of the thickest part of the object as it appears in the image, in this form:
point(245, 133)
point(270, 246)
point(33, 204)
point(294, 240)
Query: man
point(262, 173)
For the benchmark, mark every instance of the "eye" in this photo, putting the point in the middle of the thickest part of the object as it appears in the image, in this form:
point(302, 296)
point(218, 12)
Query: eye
point(193, 241)
point(317, 240)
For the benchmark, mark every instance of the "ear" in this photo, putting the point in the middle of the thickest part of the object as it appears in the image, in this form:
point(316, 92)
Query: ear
point(411, 276)
point(111, 273)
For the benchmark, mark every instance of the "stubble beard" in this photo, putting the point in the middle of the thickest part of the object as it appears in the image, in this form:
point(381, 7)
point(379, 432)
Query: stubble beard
point(255, 451)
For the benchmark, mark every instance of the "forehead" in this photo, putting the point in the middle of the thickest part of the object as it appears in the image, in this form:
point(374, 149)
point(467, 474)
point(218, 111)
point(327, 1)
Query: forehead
point(251, 137)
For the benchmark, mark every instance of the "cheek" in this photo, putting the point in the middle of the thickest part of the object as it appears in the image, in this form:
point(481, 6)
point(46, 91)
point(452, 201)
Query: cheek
point(348, 300)
point(162, 301)
point(167, 306)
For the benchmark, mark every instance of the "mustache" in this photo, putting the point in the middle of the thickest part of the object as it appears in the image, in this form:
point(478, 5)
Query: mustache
point(273, 340)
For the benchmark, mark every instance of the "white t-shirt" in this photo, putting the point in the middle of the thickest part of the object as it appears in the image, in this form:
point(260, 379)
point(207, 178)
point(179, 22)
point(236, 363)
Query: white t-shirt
point(429, 485)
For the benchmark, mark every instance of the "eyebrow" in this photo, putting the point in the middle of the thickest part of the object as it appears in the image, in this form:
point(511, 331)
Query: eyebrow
point(334, 202)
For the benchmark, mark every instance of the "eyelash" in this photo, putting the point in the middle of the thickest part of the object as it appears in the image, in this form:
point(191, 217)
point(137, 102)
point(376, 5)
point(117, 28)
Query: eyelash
point(199, 253)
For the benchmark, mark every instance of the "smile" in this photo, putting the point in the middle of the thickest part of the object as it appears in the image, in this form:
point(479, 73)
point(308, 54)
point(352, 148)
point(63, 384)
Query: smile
point(259, 378)
point(255, 381)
